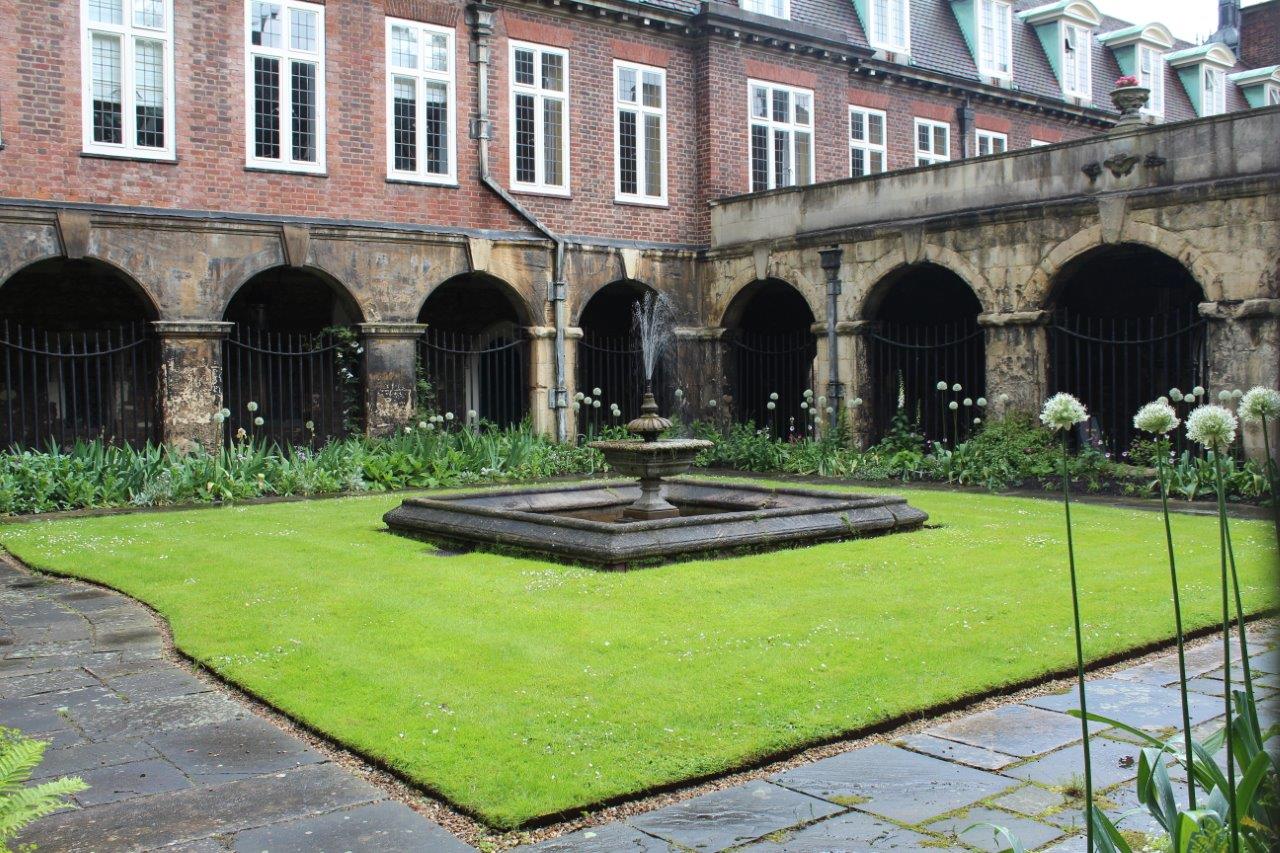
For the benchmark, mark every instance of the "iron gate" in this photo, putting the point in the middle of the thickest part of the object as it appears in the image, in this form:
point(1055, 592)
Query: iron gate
point(485, 373)
point(1115, 365)
point(306, 387)
point(773, 367)
point(66, 386)
point(613, 364)
point(907, 361)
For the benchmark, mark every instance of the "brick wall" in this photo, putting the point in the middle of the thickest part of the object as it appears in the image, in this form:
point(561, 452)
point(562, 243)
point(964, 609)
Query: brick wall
point(1260, 34)
point(706, 122)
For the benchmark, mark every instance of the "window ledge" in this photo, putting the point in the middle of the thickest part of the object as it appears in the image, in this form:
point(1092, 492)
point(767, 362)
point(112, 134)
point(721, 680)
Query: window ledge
point(639, 202)
point(422, 182)
point(552, 193)
point(167, 159)
point(285, 170)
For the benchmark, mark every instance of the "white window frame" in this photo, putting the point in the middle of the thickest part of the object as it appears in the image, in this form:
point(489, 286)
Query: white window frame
point(929, 158)
point(781, 8)
point(1152, 77)
point(867, 147)
point(1084, 46)
point(639, 197)
point(790, 126)
point(1271, 97)
point(421, 76)
point(539, 185)
point(1219, 105)
point(128, 33)
point(990, 137)
point(990, 65)
point(286, 55)
point(887, 44)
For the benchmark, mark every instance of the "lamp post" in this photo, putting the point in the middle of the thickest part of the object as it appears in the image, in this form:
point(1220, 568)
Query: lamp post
point(831, 259)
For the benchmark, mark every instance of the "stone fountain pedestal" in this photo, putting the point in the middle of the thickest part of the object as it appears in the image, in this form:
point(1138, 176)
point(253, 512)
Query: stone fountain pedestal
point(649, 462)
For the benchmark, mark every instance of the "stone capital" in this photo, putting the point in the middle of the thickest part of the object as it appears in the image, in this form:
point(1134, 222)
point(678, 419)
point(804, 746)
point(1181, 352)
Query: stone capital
point(179, 329)
point(391, 331)
point(997, 319)
point(540, 333)
point(1240, 309)
point(573, 333)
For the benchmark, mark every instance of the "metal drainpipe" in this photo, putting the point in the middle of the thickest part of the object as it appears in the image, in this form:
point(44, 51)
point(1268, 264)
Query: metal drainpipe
point(480, 19)
point(831, 259)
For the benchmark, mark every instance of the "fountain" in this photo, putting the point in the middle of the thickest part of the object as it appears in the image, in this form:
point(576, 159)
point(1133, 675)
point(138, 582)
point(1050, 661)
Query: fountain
point(656, 517)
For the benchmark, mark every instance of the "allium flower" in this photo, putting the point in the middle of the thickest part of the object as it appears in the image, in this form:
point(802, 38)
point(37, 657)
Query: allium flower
point(577, 406)
point(218, 418)
point(258, 421)
point(1224, 395)
point(1236, 394)
point(1260, 403)
point(857, 401)
point(251, 406)
point(711, 403)
point(1164, 400)
point(596, 392)
point(1156, 418)
point(808, 392)
point(579, 396)
point(1211, 426)
point(448, 416)
point(977, 421)
point(773, 396)
point(942, 386)
point(226, 413)
point(431, 427)
point(831, 410)
point(586, 401)
point(679, 393)
point(1062, 411)
point(1197, 391)
point(771, 405)
point(804, 405)
point(956, 388)
point(422, 424)
point(982, 402)
point(822, 401)
point(1003, 398)
point(472, 414)
point(953, 405)
point(595, 404)
point(1175, 395)
point(310, 425)
point(968, 401)
point(408, 430)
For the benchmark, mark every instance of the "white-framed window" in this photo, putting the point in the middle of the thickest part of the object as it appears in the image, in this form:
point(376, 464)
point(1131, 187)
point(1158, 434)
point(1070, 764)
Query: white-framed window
point(772, 8)
point(1273, 96)
point(127, 83)
point(1213, 95)
point(995, 39)
point(890, 25)
point(781, 129)
point(640, 133)
point(1151, 75)
point(539, 118)
point(284, 85)
point(1077, 60)
point(933, 142)
point(990, 142)
point(421, 113)
point(867, 152)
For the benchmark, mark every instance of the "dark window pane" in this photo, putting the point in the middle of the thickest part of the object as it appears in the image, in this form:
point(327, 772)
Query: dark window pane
point(304, 111)
point(107, 111)
point(627, 166)
point(524, 67)
point(405, 115)
point(759, 158)
point(653, 155)
point(266, 107)
point(552, 138)
point(149, 83)
point(858, 162)
point(525, 154)
point(436, 115)
point(782, 159)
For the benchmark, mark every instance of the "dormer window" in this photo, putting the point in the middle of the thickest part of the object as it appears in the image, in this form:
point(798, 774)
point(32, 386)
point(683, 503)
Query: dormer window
point(1203, 72)
point(1151, 75)
point(1260, 86)
point(1139, 51)
point(890, 25)
point(1077, 43)
point(1213, 91)
point(772, 8)
point(995, 42)
point(1273, 96)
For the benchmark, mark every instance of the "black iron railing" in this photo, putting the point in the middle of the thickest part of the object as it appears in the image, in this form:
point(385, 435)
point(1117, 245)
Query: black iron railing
point(907, 361)
point(613, 364)
point(777, 368)
point(486, 374)
point(64, 386)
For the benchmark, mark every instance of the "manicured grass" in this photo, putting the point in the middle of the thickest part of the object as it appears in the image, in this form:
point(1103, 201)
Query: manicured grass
point(517, 688)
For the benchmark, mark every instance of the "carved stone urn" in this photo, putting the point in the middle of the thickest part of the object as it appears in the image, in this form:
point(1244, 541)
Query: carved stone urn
point(1130, 100)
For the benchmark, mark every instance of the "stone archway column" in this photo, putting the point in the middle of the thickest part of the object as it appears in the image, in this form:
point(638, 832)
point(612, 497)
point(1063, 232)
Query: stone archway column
point(390, 375)
point(1017, 357)
point(701, 368)
point(542, 377)
point(572, 338)
point(1244, 351)
point(190, 381)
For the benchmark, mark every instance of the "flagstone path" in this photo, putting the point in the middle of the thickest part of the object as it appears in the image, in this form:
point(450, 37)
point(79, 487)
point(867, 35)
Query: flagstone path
point(173, 762)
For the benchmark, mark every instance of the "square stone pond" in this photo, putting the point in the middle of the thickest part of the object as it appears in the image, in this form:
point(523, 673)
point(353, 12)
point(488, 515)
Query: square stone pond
point(584, 523)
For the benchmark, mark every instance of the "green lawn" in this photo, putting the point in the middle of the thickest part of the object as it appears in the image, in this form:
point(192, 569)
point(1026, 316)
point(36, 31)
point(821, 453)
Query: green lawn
point(516, 688)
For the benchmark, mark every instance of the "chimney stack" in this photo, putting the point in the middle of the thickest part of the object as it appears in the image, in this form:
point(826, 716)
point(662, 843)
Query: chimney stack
point(1228, 25)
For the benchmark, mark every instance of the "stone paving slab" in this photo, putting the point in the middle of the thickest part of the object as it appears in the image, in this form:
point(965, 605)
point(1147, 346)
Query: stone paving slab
point(1112, 761)
point(611, 838)
point(965, 828)
point(116, 782)
point(385, 827)
point(733, 816)
point(895, 783)
point(1136, 703)
point(961, 753)
point(233, 749)
point(851, 832)
point(1014, 729)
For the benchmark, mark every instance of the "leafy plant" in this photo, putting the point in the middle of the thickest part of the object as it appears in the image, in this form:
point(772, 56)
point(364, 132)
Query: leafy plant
point(22, 803)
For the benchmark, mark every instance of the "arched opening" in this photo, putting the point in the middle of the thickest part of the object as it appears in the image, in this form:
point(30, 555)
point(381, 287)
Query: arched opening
point(925, 332)
point(473, 358)
point(293, 360)
point(771, 349)
point(1125, 329)
point(77, 358)
point(609, 358)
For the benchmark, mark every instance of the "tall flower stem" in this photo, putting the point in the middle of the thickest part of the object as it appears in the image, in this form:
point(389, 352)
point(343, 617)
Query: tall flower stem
point(1245, 666)
point(1162, 449)
point(1075, 612)
point(1226, 651)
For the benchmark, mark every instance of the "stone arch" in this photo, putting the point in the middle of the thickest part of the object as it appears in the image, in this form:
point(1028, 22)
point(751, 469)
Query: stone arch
point(872, 276)
point(744, 276)
point(346, 297)
point(524, 312)
point(635, 284)
point(150, 304)
point(609, 358)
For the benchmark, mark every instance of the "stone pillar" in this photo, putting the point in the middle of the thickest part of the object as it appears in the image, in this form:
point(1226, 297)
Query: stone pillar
point(190, 381)
point(1017, 355)
point(542, 378)
point(1244, 351)
point(390, 375)
point(572, 335)
point(855, 349)
point(700, 369)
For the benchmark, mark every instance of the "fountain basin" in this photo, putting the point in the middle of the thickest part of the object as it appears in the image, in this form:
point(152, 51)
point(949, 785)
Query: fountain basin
point(586, 523)
point(651, 461)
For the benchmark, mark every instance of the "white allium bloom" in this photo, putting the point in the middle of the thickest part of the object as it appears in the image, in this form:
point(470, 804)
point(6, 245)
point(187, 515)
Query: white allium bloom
point(422, 424)
point(408, 430)
point(977, 421)
point(577, 406)
point(942, 386)
point(1062, 411)
point(857, 401)
point(771, 405)
point(1224, 395)
point(310, 425)
point(813, 413)
point(586, 401)
point(808, 392)
point(831, 410)
point(595, 404)
point(258, 421)
point(226, 413)
point(596, 392)
point(579, 396)
point(822, 401)
point(712, 402)
point(251, 406)
point(1197, 391)
point(968, 401)
point(1156, 418)
point(953, 405)
point(956, 388)
point(1211, 426)
point(679, 393)
point(1260, 403)
point(218, 418)
point(1236, 394)
point(1175, 395)
point(431, 427)
point(804, 405)
point(773, 395)
point(1164, 400)
point(472, 414)
point(448, 416)
point(982, 402)
point(1003, 398)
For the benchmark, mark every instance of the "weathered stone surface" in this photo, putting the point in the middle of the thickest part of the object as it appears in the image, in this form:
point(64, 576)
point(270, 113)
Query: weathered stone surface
point(893, 782)
point(233, 749)
point(1113, 762)
point(384, 827)
point(87, 756)
point(1014, 730)
point(610, 838)
point(1030, 800)
point(851, 832)
point(158, 684)
point(113, 782)
point(962, 827)
point(961, 753)
point(733, 816)
point(144, 718)
point(1132, 702)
